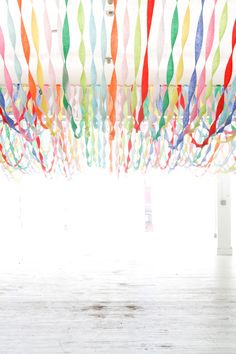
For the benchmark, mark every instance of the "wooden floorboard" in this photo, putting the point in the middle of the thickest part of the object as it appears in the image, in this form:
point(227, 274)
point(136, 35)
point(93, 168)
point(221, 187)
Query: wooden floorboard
point(118, 310)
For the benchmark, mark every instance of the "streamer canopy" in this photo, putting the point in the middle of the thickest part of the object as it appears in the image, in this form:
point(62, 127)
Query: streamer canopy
point(124, 85)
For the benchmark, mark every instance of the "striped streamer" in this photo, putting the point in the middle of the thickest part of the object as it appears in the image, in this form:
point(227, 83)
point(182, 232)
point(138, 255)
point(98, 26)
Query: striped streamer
point(145, 76)
point(193, 80)
point(113, 84)
point(65, 77)
point(170, 68)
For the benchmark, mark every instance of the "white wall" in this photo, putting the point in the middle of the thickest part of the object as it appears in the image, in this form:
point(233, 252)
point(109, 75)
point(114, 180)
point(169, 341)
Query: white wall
point(56, 220)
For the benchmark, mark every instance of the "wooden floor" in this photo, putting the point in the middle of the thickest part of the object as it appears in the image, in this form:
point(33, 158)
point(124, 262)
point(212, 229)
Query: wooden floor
point(112, 307)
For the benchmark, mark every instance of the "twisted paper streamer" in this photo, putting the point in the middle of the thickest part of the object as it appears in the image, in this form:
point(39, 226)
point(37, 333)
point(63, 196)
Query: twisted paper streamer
point(202, 78)
point(17, 64)
point(145, 75)
point(170, 68)
point(124, 110)
point(137, 59)
point(113, 84)
point(65, 77)
point(51, 71)
point(36, 112)
point(193, 80)
point(40, 75)
point(175, 91)
point(83, 79)
point(93, 71)
point(103, 105)
point(227, 78)
point(215, 63)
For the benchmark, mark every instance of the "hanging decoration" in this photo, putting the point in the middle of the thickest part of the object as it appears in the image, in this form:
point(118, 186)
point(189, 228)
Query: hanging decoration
point(118, 88)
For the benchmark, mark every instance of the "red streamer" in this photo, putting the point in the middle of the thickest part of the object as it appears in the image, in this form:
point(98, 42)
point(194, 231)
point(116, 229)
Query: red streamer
point(145, 72)
point(220, 105)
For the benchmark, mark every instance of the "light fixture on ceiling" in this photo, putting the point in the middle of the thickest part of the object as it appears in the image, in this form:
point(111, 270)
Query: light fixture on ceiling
point(108, 60)
point(110, 13)
point(110, 8)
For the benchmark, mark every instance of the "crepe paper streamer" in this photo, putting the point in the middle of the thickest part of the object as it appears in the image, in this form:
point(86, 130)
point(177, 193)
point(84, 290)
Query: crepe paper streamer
point(93, 71)
point(40, 78)
point(175, 91)
point(228, 121)
point(193, 80)
point(122, 94)
point(59, 29)
point(89, 141)
point(83, 79)
point(5, 117)
point(9, 153)
point(137, 59)
point(32, 86)
point(216, 61)
point(65, 77)
point(12, 35)
point(51, 71)
point(124, 74)
point(92, 148)
point(59, 101)
point(103, 58)
point(9, 87)
point(145, 71)
point(157, 91)
point(160, 50)
point(126, 35)
point(227, 78)
point(124, 112)
point(170, 68)
point(66, 47)
point(184, 38)
point(40, 75)
point(5, 158)
point(202, 78)
point(82, 57)
point(113, 84)
point(119, 130)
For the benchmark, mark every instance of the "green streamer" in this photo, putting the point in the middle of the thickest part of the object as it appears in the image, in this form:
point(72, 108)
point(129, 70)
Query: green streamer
point(170, 68)
point(65, 77)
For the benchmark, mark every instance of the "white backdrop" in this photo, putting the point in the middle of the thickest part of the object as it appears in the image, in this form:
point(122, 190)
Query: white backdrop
point(54, 221)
